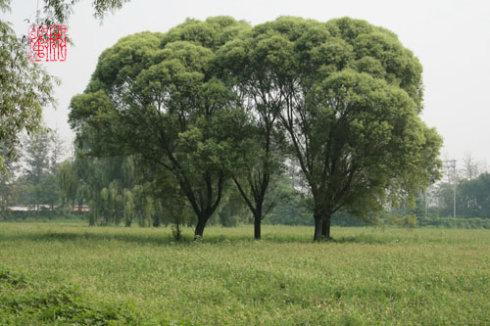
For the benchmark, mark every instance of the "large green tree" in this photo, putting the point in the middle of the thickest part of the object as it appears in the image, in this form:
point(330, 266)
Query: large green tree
point(348, 95)
point(158, 96)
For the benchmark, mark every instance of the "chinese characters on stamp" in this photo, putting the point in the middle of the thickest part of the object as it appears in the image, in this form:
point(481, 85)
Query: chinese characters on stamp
point(48, 43)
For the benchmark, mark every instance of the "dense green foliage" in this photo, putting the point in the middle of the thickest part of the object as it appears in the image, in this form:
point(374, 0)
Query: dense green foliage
point(366, 276)
point(215, 100)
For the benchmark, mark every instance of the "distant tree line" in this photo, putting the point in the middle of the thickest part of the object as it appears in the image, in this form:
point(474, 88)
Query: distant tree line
point(42, 183)
point(463, 191)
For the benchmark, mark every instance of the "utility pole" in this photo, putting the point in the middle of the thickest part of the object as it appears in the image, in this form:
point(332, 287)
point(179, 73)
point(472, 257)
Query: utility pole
point(454, 200)
point(450, 166)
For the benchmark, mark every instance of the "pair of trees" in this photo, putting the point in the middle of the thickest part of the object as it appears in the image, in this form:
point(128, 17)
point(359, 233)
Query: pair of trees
point(218, 100)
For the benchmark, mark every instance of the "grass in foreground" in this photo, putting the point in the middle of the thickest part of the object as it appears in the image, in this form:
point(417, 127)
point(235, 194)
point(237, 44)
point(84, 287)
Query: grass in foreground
point(73, 274)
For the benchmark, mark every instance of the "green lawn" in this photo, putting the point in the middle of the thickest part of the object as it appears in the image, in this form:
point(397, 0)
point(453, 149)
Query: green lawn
point(68, 274)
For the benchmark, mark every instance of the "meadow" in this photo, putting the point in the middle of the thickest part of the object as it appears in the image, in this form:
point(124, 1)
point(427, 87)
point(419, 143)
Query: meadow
point(69, 273)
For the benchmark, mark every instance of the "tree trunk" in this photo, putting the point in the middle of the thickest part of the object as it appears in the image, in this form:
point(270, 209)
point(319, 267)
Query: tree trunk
point(326, 226)
point(257, 226)
point(157, 222)
point(201, 224)
point(94, 214)
point(317, 236)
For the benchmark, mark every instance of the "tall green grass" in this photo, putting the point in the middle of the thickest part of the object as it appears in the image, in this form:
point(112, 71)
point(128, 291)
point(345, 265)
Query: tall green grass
point(72, 274)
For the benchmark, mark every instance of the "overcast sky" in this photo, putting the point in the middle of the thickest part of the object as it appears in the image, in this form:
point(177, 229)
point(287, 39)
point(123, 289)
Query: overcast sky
point(451, 39)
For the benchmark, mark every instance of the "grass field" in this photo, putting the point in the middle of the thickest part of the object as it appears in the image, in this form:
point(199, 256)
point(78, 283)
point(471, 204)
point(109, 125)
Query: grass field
point(72, 274)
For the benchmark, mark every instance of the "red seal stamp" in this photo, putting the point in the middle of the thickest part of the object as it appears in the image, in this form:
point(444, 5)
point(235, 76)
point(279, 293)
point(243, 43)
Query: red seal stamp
point(48, 43)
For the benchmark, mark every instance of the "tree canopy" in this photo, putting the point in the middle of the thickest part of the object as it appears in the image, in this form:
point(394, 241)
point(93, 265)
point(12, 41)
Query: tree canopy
point(157, 96)
point(348, 96)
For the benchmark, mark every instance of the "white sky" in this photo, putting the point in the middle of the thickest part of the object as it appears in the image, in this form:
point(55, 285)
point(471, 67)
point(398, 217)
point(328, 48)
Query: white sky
point(450, 37)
